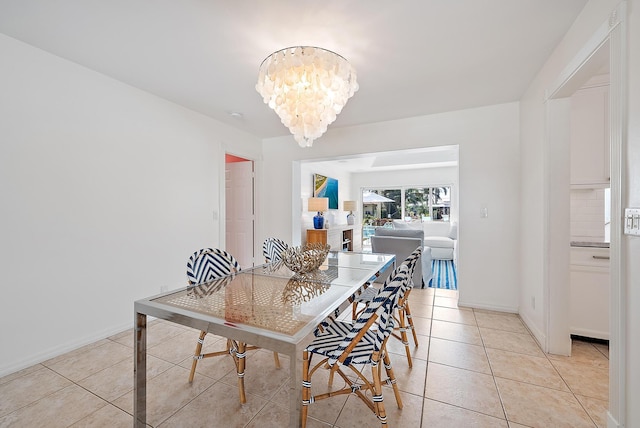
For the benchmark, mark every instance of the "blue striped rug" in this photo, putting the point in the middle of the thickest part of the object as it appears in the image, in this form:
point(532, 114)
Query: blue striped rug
point(444, 275)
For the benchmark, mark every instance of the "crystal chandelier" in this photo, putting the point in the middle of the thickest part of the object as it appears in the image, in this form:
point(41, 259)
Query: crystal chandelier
point(307, 87)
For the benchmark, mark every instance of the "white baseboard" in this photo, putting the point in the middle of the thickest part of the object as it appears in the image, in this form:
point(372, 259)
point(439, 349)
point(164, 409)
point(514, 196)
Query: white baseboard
point(538, 334)
point(47, 354)
point(487, 307)
point(611, 422)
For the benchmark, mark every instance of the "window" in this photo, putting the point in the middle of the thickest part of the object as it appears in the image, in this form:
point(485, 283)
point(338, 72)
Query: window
point(410, 203)
point(440, 203)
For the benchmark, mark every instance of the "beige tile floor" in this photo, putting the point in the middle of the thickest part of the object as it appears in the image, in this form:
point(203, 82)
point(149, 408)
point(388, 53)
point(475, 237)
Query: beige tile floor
point(472, 368)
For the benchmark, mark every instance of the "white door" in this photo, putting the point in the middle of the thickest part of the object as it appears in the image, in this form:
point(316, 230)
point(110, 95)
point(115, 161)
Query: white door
point(239, 211)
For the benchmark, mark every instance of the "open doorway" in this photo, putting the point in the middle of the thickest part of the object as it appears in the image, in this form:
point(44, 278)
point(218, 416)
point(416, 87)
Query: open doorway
point(605, 49)
point(239, 213)
point(411, 188)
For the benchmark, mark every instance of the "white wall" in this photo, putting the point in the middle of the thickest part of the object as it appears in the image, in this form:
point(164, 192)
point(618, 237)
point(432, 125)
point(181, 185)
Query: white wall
point(106, 190)
point(532, 138)
point(489, 161)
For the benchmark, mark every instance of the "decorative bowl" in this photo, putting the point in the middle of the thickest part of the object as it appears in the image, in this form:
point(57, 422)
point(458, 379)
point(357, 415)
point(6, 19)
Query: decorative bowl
point(305, 258)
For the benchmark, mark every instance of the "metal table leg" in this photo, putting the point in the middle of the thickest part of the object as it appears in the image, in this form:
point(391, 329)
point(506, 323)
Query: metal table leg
point(295, 389)
point(140, 372)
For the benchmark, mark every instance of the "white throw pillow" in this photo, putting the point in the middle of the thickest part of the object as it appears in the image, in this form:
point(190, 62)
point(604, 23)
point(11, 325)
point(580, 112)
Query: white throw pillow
point(400, 225)
point(410, 225)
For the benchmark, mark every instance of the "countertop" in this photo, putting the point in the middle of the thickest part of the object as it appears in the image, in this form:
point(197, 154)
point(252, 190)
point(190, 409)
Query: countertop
point(589, 244)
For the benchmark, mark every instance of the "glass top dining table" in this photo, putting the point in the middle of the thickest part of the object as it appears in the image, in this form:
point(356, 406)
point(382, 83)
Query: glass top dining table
point(267, 306)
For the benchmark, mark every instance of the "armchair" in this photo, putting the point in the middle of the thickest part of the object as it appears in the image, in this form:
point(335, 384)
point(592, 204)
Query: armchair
point(441, 237)
point(402, 243)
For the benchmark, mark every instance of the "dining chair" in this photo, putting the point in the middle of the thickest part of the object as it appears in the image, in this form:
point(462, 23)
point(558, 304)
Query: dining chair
point(354, 346)
point(203, 266)
point(402, 314)
point(272, 249)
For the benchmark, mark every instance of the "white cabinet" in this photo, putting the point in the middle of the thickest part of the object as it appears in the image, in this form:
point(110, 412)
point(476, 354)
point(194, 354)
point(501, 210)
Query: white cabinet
point(335, 238)
point(590, 134)
point(589, 288)
point(346, 238)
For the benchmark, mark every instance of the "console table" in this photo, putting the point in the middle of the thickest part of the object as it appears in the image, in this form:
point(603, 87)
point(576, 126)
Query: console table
point(338, 237)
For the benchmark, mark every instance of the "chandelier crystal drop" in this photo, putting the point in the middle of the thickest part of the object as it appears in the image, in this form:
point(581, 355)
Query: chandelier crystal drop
point(307, 87)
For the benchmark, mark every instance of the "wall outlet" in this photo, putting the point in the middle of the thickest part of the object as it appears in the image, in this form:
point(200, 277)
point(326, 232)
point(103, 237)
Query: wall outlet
point(533, 302)
point(164, 288)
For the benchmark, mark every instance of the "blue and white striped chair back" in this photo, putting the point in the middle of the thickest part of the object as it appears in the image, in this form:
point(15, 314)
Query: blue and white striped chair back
point(272, 249)
point(411, 261)
point(210, 263)
point(382, 305)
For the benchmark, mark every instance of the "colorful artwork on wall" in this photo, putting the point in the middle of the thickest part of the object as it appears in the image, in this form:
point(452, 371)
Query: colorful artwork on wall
point(326, 187)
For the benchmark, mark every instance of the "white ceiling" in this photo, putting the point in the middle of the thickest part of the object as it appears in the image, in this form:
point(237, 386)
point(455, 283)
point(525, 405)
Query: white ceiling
point(412, 57)
point(427, 157)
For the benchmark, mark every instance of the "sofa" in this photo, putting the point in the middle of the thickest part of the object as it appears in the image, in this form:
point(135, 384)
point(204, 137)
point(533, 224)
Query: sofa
point(402, 243)
point(440, 236)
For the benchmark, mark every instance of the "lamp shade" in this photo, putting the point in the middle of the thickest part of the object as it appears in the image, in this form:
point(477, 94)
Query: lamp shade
point(318, 204)
point(349, 205)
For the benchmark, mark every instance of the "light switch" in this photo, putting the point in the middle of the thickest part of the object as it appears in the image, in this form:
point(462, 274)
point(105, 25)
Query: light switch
point(632, 221)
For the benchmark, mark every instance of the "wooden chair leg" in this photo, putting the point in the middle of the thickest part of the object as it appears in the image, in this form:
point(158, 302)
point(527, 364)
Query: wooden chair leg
point(403, 335)
point(330, 383)
point(410, 320)
point(240, 362)
point(196, 355)
point(306, 388)
point(377, 390)
point(276, 358)
point(392, 377)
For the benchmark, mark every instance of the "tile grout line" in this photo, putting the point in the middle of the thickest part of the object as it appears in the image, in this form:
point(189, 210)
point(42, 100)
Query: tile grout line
point(493, 376)
point(426, 375)
point(41, 398)
point(571, 389)
point(432, 298)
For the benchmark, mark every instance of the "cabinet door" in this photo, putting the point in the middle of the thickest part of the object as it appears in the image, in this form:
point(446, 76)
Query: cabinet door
point(590, 136)
point(357, 238)
point(334, 239)
point(316, 236)
point(589, 307)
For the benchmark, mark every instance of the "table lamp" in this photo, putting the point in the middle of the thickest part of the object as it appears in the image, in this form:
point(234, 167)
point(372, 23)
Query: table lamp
point(319, 205)
point(351, 207)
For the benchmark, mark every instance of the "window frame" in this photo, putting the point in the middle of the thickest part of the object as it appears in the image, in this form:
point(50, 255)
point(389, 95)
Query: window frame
point(403, 205)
